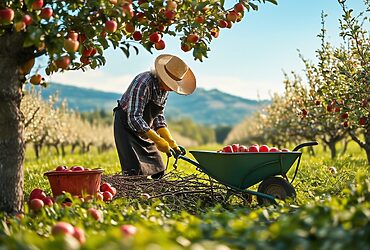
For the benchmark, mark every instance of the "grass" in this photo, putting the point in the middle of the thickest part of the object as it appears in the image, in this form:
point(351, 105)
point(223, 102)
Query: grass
point(331, 212)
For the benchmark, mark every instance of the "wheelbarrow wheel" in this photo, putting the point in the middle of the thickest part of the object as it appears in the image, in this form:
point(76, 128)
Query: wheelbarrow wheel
point(277, 187)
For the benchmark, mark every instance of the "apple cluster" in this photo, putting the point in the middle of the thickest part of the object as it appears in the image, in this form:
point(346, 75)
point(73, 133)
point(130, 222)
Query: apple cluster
point(107, 191)
point(236, 148)
point(38, 199)
point(63, 168)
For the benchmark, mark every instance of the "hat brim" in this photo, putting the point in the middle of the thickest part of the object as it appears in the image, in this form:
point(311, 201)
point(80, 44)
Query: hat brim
point(185, 86)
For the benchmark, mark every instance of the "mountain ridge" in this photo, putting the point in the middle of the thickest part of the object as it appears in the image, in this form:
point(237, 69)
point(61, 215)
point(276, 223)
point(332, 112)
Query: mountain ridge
point(210, 107)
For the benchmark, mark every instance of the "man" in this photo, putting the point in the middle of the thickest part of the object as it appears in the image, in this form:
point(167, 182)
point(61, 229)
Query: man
point(140, 128)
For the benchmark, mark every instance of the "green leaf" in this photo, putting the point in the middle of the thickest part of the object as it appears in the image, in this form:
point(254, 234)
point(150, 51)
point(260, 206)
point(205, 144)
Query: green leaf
point(273, 2)
point(125, 51)
point(254, 6)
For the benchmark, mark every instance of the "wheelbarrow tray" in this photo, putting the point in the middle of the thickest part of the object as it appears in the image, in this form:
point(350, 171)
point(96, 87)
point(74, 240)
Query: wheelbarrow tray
point(243, 170)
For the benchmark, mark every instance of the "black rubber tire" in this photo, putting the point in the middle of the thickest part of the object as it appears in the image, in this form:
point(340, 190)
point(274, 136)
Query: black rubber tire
point(277, 187)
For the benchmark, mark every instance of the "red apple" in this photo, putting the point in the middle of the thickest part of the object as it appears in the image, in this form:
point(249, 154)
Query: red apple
point(264, 148)
point(192, 38)
point(86, 52)
point(71, 45)
point(107, 196)
point(137, 36)
point(110, 26)
point(27, 19)
point(274, 149)
point(239, 7)
point(113, 191)
point(199, 19)
point(128, 230)
point(95, 213)
point(77, 168)
point(160, 45)
point(93, 52)
point(317, 102)
point(155, 37)
point(285, 150)
point(63, 62)
point(6, 15)
point(228, 149)
point(61, 168)
point(36, 204)
point(79, 234)
point(129, 28)
point(253, 148)
point(337, 109)
point(232, 16)
point(48, 201)
point(344, 116)
point(243, 148)
point(329, 108)
point(105, 186)
point(37, 4)
point(81, 38)
point(37, 193)
point(222, 24)
point(62, 228)
point(362, 121)
point(72, 35)
point(85, 60)
point(185, 47)
point(170, 14)
point(235, 147)
point(36, 79)
point(46, 13)
point(345, 124)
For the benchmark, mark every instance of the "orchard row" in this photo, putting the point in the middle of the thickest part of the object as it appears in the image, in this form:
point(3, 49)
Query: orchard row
point(56, 127)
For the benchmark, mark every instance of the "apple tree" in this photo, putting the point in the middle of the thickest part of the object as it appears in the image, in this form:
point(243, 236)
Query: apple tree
point(350, 92)
point(73, 35)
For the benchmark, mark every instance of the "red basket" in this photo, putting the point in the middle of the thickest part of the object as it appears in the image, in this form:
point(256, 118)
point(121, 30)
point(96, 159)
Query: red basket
point(74, 182)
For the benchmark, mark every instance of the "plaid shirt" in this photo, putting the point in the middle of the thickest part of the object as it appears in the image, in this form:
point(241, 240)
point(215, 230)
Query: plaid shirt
point(142, 89)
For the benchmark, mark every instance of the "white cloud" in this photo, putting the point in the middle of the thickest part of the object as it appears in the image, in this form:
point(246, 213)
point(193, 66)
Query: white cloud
point(240, 87)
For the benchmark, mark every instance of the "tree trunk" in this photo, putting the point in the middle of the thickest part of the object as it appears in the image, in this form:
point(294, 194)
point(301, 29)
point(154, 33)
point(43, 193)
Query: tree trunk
point(11, 125)
point(367, 144)
point(333, 150)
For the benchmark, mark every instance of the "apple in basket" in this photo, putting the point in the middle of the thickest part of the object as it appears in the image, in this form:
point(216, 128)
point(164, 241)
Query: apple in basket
point(61, 168)
point(77, 168)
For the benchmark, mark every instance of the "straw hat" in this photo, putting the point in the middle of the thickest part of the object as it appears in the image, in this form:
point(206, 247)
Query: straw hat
point(173, 72)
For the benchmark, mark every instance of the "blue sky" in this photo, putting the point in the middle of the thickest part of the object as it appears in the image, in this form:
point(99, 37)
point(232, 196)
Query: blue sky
point(247, 60)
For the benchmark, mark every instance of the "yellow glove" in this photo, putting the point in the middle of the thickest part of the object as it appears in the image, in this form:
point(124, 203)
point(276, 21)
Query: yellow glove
point(160, 143)
point(165, 134)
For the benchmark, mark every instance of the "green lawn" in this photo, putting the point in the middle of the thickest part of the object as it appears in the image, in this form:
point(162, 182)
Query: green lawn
point(330, 212)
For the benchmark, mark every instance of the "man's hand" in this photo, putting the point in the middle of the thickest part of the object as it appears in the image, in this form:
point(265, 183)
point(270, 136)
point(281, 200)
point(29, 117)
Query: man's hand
point(160, 143)
point(165, 134)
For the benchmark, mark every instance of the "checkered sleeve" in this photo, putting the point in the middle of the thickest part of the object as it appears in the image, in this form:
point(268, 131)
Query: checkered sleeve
point(137, 100)
point(159, 121)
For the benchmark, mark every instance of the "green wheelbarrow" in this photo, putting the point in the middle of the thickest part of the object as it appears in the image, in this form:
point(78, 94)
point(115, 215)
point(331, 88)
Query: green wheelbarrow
point(241, 170)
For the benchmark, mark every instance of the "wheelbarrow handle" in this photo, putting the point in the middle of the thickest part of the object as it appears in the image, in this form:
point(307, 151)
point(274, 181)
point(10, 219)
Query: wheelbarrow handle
point(305, 144)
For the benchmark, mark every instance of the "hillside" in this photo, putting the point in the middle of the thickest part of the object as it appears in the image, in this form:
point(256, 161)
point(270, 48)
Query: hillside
point(203, 106)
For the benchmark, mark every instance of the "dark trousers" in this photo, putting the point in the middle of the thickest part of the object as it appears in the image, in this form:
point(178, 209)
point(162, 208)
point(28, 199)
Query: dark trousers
point(137, 156)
